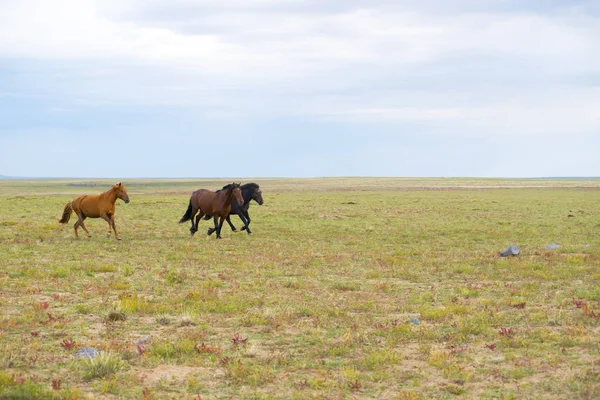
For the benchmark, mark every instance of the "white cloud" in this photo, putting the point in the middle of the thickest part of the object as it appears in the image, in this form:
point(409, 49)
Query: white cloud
point(353, 64)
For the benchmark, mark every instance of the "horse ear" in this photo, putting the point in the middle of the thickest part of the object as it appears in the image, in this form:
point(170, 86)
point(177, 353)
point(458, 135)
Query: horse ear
point(119, 184)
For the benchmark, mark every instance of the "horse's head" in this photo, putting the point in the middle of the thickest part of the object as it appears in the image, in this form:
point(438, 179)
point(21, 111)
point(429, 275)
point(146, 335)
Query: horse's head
point(237, 193)
point(122, 192)
point(257, 196)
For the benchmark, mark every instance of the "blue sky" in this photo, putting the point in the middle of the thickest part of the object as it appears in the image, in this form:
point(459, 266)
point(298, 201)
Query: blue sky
point(293, 88)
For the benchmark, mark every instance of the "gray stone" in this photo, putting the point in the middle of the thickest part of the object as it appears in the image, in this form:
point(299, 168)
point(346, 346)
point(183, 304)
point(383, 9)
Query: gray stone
point(142, 340)
point(414, 321)
point(511, 251)
point(87, 352)
point(553, 246)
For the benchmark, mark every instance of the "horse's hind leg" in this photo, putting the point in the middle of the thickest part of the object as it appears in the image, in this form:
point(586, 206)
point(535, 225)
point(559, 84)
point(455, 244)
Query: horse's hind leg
point(79, 223)
point(194, 227)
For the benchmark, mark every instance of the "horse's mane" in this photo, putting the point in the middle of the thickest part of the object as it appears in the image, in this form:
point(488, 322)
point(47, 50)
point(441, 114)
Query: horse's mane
point(228, 186)
point(250, 185)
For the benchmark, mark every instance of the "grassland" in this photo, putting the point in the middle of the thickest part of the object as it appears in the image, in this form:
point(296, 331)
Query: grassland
point(317, 303)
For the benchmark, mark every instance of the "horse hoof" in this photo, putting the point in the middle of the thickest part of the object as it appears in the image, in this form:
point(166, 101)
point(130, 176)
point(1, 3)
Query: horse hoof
point(118, 238)
point(234, 230)
point(243, 228)
point(89, 236)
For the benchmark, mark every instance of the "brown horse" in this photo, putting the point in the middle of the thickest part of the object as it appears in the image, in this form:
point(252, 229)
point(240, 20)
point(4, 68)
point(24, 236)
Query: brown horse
point(96, 206)
point(215, 204)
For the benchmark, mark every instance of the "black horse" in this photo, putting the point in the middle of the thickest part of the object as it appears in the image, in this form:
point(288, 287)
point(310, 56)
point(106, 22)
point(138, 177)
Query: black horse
point(250, 191)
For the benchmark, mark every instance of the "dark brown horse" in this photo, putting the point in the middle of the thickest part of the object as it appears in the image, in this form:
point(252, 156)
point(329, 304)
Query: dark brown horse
point(96, 206)
point(215, 204)
point(250, 191)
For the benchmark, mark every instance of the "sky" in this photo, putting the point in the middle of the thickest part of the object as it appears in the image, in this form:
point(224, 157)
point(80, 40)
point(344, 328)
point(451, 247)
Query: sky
point(299, 88)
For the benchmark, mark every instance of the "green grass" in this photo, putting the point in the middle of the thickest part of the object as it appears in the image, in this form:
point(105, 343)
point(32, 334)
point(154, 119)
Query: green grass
point(317, 302)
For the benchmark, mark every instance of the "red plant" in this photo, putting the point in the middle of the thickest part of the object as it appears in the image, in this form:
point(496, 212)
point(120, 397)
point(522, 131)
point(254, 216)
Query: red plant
point(56, 382)
point(44, 305)
point(51, 317)
point(491, 346)
point(146, 394)
point(225, 360)
point(589, 312)
point(35, 334)
point(519, 305)
point(579, 303)
point(237, 339)
point(56, 296)
point(355, 386)
point(140, 349)
point(68, 344)
point(207, 349)
point(506, 332)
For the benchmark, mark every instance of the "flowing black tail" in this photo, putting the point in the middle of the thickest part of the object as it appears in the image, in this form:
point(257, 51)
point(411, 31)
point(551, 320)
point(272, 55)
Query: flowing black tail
point(188, 214)
point(66, 213)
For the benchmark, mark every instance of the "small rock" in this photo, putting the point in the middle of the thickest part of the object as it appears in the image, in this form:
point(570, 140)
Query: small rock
point(511, 251)
point(414, 320)
point(87, 352)
point(142, 340)
point(553, 246)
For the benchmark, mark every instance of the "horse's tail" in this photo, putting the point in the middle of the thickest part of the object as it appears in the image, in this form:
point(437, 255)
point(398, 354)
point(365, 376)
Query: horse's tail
point(67, 213)
point(188, 214)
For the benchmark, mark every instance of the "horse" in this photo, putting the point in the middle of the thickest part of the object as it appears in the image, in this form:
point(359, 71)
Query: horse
point(250, 191)
point(96, 206)
point(214, 204)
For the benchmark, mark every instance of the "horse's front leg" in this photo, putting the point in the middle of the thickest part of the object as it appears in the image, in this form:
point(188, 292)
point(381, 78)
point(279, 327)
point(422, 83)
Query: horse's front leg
point(211, 230)
point(216, 228)
point(221, 220)
point(112, 222)
point(246, 222)
point(230, 224)
point(106, 217)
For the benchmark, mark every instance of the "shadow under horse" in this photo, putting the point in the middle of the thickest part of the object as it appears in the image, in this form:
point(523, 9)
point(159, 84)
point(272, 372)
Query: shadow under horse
point(96, 206)
point(250, 191)
point(214, 204)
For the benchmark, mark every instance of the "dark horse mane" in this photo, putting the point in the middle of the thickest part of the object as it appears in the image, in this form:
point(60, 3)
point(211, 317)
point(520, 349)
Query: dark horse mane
point(250, 185)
